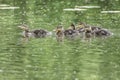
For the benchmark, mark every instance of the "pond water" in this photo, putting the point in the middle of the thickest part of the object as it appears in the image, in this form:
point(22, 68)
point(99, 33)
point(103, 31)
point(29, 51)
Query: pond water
point(46, 59)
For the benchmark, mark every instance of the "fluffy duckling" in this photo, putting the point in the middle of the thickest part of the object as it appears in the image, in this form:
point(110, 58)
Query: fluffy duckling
point(87, 33)
point(40, 33)
point(71, 32)
point(26, 32)
point(80, 26)
point(81, 29)
point(100, 32)
point(59, 32)
point(94, 29)
point(104, 33)
point(72, 26)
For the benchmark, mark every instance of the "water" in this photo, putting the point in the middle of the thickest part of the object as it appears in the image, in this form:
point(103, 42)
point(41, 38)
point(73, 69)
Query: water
point(46, 59)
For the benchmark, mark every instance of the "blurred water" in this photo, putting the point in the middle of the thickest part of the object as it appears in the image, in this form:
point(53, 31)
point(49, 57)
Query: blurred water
point(46, 59)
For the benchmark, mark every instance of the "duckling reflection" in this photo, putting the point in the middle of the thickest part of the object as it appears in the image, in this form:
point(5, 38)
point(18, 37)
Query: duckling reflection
point(40, 33)
point(59, 32)
point(71, 32)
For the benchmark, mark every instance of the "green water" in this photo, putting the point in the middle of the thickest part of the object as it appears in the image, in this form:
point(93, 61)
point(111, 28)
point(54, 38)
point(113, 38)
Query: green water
point(46, 59)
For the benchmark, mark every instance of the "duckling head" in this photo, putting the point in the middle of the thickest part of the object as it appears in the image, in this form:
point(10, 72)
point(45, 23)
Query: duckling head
point(59, 29)
point(72, 26)
point(80, 25)
point(24, 27)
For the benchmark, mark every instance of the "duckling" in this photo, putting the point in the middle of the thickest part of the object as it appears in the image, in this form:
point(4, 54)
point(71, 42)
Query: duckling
point(87, 33)
point(40, 33)
point(80, 26)
point(104, 33)
point(100, 32)
point(26, 32)
point(81, 29)
point(72, 26)
point(59, 32)
point(71, 32)
point(94, 29)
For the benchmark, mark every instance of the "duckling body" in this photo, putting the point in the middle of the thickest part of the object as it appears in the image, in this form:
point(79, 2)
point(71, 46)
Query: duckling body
point(87, 33)
point(39, 33)
point(59, 32)
point(94, 28)
point(102, 33)
point(71, 32)
point(81, 29)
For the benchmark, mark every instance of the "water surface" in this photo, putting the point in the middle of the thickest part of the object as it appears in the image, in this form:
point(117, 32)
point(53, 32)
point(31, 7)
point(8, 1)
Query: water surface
point(46, 59)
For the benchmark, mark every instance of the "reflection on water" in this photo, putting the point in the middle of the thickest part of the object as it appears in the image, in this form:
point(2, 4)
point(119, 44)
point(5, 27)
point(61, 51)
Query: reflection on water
point(46, 59)
point(9, 7)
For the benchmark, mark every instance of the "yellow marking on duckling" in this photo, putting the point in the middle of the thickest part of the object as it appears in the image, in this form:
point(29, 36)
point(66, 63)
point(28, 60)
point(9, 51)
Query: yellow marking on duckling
point(80, 26)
